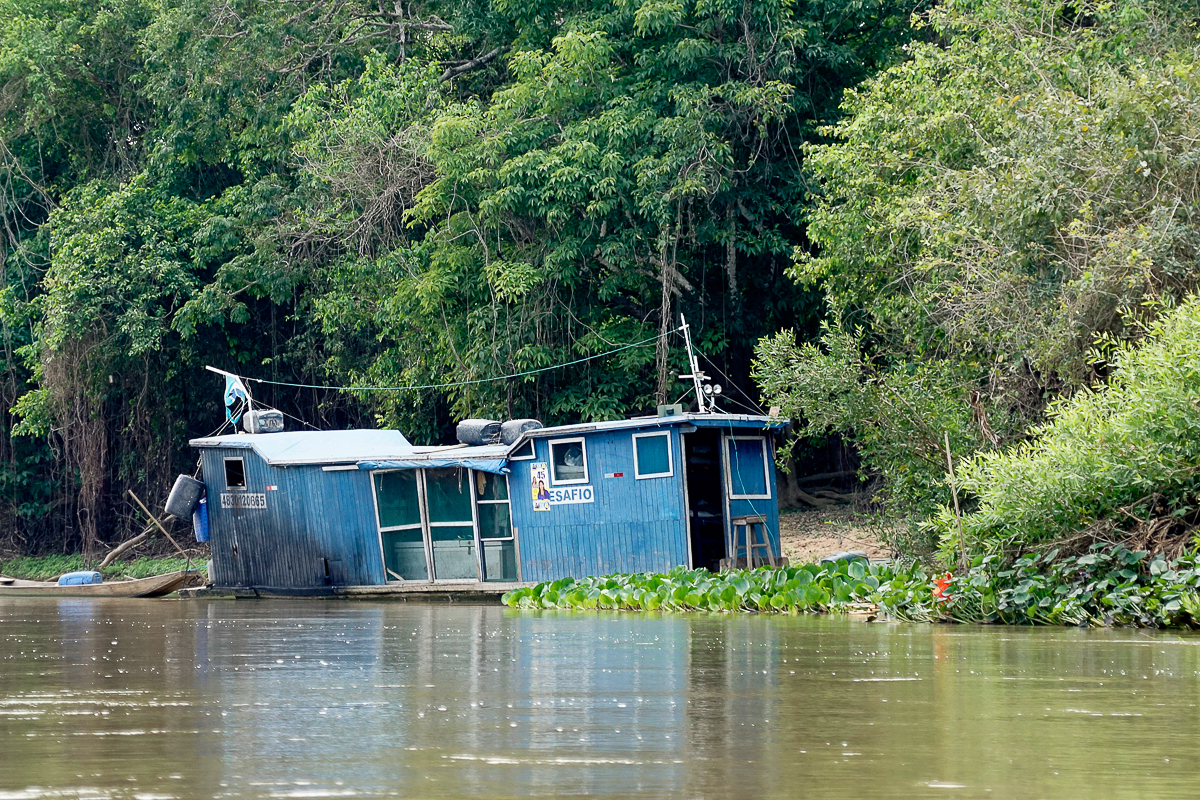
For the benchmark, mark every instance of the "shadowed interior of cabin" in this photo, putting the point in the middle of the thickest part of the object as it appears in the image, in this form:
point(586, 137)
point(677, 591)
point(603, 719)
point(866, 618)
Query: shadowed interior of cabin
point(705, 506)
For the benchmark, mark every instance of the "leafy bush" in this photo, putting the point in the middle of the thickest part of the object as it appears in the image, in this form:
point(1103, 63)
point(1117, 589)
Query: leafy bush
point(897, 418)
point(1105, 586)
point(1024, 183)
point(1113, 462)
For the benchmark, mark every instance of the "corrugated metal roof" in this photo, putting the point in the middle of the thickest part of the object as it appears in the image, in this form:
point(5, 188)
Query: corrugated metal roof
point(374, 446)
point(317, 447)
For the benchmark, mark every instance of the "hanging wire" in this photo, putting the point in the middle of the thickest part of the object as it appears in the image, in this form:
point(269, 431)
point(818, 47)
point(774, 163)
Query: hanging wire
point(220, 428)
point(302, 422)
point(468, 382)
point(729, 382)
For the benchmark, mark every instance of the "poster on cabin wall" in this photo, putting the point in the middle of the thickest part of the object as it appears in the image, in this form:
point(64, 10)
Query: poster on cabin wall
point(540, 486)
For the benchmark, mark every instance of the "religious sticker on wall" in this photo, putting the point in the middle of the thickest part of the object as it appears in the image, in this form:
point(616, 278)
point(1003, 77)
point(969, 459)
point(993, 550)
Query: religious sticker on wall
point(540, 486)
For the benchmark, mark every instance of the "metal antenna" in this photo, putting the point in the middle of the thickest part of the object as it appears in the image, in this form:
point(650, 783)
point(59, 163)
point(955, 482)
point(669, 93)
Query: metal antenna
point(696, 375)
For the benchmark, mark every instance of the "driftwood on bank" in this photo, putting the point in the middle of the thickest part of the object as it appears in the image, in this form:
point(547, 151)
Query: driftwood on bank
point(816, 502)
point(126, 546)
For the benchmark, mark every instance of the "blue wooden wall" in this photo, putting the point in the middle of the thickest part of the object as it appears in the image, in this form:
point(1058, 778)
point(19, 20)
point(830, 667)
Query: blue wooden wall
point(633, 525)
point(311, 516)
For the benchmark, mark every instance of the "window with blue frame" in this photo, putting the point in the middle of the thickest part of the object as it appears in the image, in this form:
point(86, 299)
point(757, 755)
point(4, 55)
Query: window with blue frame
point(652, 455)
point(747, 462)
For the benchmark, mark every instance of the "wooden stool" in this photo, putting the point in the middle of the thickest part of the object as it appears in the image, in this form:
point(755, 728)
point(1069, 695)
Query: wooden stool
point(754, 537)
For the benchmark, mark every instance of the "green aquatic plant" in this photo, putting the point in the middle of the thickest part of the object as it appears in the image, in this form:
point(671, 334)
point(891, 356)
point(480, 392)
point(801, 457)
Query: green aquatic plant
point(1106, 586)
point(808, 588)
point(44, 568)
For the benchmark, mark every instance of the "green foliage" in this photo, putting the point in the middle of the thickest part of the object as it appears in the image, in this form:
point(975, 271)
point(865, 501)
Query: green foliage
point(1106, 586)
point(809, 588)
point(1017, 189)
point(416, 194)
point(641, 160)
point(46, 568)
point(898, 418)
point(120, 266)
point(1109, 462)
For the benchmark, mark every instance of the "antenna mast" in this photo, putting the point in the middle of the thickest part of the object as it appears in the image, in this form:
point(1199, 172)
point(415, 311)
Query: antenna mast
point(698, 377)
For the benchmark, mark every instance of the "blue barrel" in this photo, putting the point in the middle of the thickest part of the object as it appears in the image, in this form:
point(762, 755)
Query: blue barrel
point(80, 578)
point(200, 520)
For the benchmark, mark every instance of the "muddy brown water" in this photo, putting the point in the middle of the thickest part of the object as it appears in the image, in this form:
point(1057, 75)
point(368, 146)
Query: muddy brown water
point(157, 699)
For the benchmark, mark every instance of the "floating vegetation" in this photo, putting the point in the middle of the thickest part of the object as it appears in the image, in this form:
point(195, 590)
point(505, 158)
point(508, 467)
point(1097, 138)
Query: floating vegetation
point(808, 588)
point(1109, 585)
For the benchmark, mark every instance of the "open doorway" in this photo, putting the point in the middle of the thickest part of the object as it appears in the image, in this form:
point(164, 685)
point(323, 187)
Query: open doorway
point(706, 506)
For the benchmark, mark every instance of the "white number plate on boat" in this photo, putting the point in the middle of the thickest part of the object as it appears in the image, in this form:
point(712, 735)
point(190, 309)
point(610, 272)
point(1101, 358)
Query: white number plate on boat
point(231, 500)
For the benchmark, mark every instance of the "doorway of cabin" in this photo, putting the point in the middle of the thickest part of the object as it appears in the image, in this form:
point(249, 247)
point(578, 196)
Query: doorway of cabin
point(706, 502)
point(444, 524)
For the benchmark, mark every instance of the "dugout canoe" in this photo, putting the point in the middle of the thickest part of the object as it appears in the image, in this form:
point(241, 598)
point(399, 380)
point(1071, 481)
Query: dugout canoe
point(155, 586)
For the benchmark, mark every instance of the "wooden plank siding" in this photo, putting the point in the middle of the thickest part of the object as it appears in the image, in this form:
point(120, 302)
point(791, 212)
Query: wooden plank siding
point(311, 518)
point(632, 526)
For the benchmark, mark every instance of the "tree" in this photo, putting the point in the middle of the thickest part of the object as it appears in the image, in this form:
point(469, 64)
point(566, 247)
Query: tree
point(1016, 194)
point(642, 160)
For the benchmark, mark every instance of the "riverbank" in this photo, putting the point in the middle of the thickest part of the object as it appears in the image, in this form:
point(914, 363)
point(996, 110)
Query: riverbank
point(46, 568)
point(808, 536)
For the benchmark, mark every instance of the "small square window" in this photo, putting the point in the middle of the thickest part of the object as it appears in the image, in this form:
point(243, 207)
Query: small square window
point(522, 453)
point(748, 468)
point(235, 473)
point(568, 462)
point(652, 455)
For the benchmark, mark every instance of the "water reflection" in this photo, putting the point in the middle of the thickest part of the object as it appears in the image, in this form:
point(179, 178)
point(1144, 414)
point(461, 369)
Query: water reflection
point(119, 698)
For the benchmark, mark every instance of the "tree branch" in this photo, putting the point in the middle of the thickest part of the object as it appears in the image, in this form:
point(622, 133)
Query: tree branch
point(474, 63)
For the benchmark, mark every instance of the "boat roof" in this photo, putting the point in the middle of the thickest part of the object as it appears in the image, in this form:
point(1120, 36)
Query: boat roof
point(317, 447)
point(388, 449)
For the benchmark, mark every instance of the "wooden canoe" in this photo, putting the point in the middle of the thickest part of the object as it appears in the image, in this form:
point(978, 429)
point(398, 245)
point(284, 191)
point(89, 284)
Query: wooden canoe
point(155, 586)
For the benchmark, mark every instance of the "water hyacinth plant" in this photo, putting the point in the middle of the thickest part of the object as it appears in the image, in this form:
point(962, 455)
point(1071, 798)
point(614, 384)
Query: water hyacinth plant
point(809, 588)
point(1106, 586)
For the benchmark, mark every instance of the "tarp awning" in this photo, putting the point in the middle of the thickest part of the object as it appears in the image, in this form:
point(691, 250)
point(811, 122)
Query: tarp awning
point(497, 466)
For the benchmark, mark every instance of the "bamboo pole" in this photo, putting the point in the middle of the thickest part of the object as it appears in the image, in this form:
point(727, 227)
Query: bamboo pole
point(138, 500)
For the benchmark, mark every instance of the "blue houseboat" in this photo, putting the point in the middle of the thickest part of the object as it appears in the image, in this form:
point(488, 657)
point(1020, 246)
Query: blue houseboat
point(341, 511)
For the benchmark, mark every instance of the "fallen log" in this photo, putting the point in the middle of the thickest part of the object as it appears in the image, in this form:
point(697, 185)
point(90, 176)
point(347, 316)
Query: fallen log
point(815, 502)
point(126, 546)
point(826, 476)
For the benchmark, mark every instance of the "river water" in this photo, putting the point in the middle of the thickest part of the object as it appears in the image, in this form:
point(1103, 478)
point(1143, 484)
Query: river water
point(156, 699)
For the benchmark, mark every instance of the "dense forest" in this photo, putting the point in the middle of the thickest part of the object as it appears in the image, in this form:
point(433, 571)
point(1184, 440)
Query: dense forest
point(904, 223)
